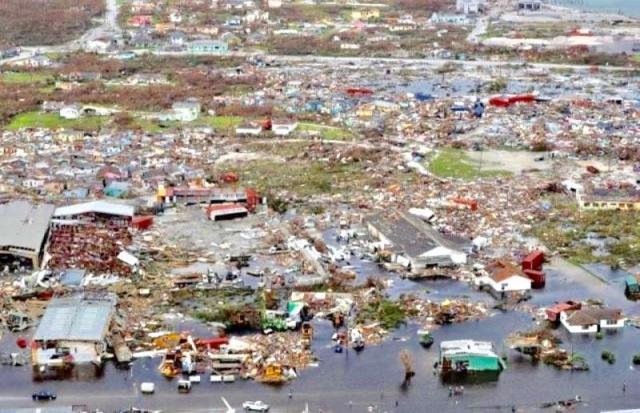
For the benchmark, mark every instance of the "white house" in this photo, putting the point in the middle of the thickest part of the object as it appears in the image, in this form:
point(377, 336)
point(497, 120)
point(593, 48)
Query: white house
point(71, 111)
point(503, 277)
point(468, 6)
point(283, 127)
point(98, 45)
point(186, 111)
point(591, 320)
point(274, 4)
point(253, 130)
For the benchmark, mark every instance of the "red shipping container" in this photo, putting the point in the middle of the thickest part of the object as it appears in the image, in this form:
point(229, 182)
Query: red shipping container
point(533, 261)
point(211, 343)
point(252, 199)
point(142, 222)
point(538, 278)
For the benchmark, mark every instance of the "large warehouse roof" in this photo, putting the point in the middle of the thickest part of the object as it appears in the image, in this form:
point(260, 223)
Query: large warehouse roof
point(102, 207)
point(75, 319)
point(24, 225)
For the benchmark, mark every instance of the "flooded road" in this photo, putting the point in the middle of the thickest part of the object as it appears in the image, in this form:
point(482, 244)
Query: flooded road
point(350, 381)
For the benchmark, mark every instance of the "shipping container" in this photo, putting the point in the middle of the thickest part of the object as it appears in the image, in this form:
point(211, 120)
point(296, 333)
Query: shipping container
point(533, 261)
point(537, 278)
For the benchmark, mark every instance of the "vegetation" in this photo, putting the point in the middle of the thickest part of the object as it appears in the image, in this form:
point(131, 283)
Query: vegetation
point(497, 85)
point(565, 229)
point(38, 119)
point(608, 356)
point(454, 163)
point(389, 314)
point(636, 359)
point(37, 22)
point(24, 77)
point(325, 132)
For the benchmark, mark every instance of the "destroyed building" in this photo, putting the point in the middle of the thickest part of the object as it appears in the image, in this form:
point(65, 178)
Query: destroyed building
point(23, 230)
point(73, 330)
point(416, 245)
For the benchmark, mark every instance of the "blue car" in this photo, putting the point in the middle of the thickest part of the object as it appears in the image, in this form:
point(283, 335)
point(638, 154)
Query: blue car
point(43, 395)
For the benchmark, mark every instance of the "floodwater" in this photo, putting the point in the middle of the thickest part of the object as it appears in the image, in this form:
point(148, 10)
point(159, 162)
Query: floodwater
point(626, 7)
point(350, 381)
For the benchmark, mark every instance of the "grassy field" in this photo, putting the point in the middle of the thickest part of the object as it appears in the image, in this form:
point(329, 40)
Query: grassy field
point(37, 119)
point(220, 122)
point(216, 122)
point(24, 77)
point(331, 133)
point(454, 163)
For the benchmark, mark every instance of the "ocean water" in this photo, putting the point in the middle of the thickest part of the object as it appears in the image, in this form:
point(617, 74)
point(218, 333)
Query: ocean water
point(626, 7)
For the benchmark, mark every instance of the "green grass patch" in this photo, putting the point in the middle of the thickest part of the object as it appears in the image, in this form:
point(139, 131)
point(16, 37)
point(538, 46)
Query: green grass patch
point(24, 77)
point(454, 163)
point(300, 177)
point(636, 58)
point(216, 122)
point(331, 133)
point(37, 119)
point(389, 313)
point(220, 122)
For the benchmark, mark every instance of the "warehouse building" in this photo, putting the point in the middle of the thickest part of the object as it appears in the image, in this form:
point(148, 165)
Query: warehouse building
point(23, 230)
point(73, 330)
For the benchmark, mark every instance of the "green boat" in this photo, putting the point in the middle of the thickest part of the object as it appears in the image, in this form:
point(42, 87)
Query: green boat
point(425, 338)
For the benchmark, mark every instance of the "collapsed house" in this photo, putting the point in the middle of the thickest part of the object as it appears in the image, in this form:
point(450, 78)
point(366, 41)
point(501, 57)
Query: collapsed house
point(416, 245)
point(91, 236)
point(73, 330)
point(23, 230)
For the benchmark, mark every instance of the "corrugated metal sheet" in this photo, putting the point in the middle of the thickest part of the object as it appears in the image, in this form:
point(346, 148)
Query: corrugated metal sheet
point(102, 207)
point(75, 319)
point(24, 225)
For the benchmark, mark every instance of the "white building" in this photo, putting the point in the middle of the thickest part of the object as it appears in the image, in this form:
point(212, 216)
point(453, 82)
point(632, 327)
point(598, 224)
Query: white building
point(185, 111)
point(504, 278)
point(98, 45)
point(591, 320)
point(253, 130)
point(283, 128)
point(71, 111)
point(469, 6)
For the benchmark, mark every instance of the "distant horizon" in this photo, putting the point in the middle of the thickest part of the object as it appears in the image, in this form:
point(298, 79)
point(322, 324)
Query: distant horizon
point(627, 7)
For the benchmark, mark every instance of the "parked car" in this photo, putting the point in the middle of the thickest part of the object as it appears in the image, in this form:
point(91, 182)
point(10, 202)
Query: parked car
point(256, 406)
point(43, 395)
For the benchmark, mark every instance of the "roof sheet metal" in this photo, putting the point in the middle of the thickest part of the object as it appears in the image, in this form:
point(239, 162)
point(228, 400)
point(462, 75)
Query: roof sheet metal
point(102, 207)
point(24, 225)
point(75, 319)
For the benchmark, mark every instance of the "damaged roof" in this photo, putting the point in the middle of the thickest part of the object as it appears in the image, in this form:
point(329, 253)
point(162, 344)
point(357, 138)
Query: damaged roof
point(411, 235)
point(75, 319)
point(24, 225)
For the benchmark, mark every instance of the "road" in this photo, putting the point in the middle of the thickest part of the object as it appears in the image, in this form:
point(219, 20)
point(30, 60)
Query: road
point(368, 61)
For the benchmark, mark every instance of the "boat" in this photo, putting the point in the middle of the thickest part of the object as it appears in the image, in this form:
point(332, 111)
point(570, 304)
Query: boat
point(425, 338)
point(468, 356)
